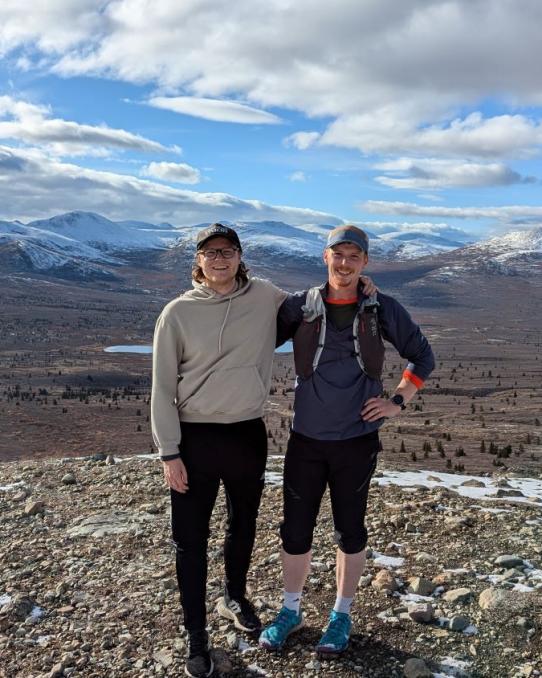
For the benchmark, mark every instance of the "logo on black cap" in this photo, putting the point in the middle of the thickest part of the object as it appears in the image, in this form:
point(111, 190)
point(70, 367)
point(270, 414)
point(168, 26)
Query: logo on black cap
point(217, 230)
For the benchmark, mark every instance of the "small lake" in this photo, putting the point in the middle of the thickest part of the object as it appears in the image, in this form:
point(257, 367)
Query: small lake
point(133, 348)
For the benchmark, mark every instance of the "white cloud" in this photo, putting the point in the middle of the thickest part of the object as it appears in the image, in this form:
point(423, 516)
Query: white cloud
point(298, 176)
point(32, 184)
point(302, 140)
point(52, 27)
point(390, 76)
point(473, 136)
point(215, 109)
point(178, 172)
point(433, 173)
point(509, 213)
point(33, 124)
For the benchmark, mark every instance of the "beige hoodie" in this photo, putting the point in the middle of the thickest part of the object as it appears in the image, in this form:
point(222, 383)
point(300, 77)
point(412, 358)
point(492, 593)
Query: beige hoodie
point(212, 358)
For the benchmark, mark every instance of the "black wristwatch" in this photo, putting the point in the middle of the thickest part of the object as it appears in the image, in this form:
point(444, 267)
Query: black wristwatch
point(398, 399)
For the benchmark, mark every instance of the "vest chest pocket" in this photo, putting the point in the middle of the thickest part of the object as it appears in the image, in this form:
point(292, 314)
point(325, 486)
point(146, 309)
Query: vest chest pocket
point(371, 346)
point(305, 347)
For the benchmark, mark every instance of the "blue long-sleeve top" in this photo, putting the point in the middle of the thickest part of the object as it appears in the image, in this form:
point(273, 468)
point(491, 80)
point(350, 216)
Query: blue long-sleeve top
point(327, 405)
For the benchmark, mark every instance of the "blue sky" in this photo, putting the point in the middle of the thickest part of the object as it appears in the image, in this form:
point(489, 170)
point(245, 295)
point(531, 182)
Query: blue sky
point(421, 114)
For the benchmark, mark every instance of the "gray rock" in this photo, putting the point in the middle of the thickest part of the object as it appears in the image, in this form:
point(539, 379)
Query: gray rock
point(365, 580)
point(491, 598)
point(222, 662)
point(313, 665)
point(32, 508)
point(421, 613)
point(232, 640)
point(68, 479)
point(457, 596)
point(153, 509)
point(384, 581)
point(18, 608)
point(56, 671)
point(110, 460)
point(21, 494)
point(524, 623)
point(420, 586)
point(508, 493)
point(163, 657)
point(472, 483)
point(508, 561)
point(416, 668)
point(102, 524)
point(458, 623)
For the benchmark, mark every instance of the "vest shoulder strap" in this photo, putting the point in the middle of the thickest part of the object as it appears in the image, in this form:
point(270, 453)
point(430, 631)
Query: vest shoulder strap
point(312, 309)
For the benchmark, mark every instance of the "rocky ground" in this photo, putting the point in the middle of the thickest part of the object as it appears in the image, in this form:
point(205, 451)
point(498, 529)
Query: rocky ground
point(87, 584)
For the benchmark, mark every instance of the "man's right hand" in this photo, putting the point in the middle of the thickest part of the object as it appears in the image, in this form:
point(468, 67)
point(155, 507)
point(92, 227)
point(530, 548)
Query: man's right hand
point(175, 475)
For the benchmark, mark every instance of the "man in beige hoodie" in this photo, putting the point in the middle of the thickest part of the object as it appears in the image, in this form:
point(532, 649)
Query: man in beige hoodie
point(212, 360)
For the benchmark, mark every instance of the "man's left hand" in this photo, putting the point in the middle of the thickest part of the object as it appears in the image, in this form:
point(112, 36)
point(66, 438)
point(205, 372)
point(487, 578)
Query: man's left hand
point(376, 408)
point(369, 287)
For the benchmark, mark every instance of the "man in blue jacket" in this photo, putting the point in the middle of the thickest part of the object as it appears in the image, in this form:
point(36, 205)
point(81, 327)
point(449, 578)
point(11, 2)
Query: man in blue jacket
point(337, 333)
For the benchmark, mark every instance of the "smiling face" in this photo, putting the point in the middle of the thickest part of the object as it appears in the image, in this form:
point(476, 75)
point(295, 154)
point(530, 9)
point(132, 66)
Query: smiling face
point(345, 262)
point(220, 272)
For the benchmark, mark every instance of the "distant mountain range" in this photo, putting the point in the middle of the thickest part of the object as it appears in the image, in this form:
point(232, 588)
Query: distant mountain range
point(84, 245)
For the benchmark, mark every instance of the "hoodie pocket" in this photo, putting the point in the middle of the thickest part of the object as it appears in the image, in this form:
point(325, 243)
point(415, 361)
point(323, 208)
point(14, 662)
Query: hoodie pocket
point(231, 391)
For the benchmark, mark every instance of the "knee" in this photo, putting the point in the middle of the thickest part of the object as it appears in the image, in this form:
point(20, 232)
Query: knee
point(351, 542)
point(184, 541)
point(295, 544)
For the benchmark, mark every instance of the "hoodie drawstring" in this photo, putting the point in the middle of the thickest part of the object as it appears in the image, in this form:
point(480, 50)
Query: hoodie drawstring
point(223, 326)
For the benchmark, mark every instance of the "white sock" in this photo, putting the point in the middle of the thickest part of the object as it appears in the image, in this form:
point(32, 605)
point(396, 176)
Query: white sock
point(292, 601)
point(343, 604)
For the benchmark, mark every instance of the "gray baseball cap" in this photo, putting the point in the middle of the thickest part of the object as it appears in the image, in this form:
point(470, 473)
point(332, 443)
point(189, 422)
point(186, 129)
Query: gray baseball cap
point(348, 234)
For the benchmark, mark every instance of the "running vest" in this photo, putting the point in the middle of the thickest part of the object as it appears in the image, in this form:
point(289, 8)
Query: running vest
point(310, 336)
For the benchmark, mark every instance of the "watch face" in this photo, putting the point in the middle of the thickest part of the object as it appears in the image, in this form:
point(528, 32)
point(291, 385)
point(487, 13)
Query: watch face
point(398, 400)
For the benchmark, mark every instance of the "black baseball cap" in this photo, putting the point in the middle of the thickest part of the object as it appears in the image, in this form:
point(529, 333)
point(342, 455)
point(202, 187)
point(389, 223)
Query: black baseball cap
point(217, 230)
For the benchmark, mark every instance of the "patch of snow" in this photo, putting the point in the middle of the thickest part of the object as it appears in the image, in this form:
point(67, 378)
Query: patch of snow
point(37, 612)
point(4, 599)
point(43, 640)
point(451, 666)
point(389, 562)
point(414, 598)
point(534, 574)
point(486, 509)
point(522, 588)
point(530, 487)
point(273, 478)
point(12, 486)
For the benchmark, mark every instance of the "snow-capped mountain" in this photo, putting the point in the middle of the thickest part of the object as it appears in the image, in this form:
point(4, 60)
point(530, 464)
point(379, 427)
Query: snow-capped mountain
point(400, 245)
point(90, 245)
point(515, 253)
point(98, 231)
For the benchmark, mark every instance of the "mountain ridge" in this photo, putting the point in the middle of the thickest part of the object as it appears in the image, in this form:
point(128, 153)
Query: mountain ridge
point(89, 245)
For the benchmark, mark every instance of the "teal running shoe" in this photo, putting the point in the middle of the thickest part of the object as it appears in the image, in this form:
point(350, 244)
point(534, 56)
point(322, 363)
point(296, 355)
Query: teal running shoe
point(275, 635)
point(335, 637)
